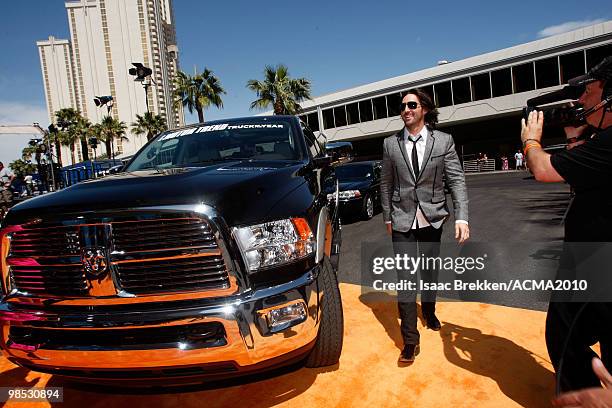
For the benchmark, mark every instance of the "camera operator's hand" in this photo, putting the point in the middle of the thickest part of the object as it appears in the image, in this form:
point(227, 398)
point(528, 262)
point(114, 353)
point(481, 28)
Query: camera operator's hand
point(590, 397)
point(532, 130)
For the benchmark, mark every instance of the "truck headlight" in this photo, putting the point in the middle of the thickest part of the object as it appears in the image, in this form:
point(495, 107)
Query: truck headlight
point(274, 243)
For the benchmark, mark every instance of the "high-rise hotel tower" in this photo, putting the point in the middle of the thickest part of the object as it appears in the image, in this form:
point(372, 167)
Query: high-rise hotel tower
point(106, 37)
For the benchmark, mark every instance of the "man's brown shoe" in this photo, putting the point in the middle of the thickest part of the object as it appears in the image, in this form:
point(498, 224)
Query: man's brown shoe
point(408, 354)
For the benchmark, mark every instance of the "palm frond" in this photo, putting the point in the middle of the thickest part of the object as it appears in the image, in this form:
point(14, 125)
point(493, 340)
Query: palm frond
point(198, 92)
point(279, 90)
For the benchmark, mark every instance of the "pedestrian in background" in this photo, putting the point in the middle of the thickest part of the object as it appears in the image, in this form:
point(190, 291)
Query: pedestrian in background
point(504, 160)
point(518, 157)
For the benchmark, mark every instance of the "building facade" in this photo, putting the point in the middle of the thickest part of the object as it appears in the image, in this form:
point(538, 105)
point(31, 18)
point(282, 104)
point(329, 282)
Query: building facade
point(58, 74)
point(480, 99)
point(106, 37)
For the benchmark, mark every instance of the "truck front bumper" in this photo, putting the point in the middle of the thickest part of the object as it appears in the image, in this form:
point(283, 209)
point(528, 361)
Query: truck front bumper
point(223, 337)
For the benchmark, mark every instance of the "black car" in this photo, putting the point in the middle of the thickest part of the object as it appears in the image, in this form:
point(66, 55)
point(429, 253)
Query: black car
point(213, 253)
point(359, 188)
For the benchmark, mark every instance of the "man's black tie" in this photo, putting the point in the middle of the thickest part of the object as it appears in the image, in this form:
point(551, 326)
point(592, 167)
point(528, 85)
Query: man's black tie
point(415, 157)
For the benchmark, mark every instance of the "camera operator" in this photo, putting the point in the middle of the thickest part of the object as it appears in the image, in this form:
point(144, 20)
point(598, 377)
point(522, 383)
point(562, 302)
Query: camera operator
point(573, 327)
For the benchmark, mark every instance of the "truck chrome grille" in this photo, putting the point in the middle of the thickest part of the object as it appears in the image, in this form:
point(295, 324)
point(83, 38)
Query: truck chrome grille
point(162, 235)
point(200, 335)
point(52, 241)
point(68, 280)
point(151, 254)
point(203, 272)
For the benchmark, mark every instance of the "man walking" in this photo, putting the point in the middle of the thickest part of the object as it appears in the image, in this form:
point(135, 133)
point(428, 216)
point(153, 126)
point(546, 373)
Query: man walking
point(414, 204)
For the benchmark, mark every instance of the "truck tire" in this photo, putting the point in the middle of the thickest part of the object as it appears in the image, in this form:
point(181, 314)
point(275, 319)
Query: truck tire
point(329, 341)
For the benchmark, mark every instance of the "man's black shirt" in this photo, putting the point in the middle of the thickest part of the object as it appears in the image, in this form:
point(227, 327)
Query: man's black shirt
point(588, 169)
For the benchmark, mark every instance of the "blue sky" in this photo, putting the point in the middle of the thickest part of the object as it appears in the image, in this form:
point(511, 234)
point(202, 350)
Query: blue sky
point(337, 45)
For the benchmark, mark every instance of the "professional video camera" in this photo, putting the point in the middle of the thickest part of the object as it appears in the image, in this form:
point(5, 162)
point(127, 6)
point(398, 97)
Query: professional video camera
point(573, 114)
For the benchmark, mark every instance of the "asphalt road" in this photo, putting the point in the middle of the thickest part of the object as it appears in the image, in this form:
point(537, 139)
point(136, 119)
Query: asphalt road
point(509, 213)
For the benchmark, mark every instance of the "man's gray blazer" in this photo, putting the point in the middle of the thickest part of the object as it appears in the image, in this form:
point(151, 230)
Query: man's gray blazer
point(401, 194)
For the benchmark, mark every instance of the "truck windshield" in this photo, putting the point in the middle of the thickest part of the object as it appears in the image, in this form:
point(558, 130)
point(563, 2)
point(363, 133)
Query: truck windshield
point(204, 145)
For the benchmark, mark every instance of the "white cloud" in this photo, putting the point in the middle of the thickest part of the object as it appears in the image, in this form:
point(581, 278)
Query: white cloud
point(18, 113)
point(567, 26)
point(11, 147)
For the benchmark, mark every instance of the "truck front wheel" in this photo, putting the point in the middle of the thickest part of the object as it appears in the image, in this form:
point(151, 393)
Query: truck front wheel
point(328, 345)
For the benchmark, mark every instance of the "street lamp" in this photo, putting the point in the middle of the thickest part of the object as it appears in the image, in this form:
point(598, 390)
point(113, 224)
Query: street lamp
point(142, 74)
point(107, 101)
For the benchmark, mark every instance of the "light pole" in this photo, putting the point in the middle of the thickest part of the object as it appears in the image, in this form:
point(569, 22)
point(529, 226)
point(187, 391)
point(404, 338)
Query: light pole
point(45, 134)
point(93, 142)
point(142, 74)
point(107, 101)
point(39, 148)
point(146, 84)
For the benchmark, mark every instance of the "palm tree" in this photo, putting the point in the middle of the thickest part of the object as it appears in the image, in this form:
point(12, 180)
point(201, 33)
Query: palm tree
point(69, 137)
point(149, 124)
point(27, 153)
point(66, 117)
point(280, 91)
point(198, 92)
point(97, 132)
point(111, 129)
point(82, 127)
point(21, 168)
point(103, 136)
point(74, 128)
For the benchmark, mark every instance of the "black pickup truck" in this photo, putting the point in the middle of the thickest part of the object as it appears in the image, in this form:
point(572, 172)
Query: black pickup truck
point(212, 254)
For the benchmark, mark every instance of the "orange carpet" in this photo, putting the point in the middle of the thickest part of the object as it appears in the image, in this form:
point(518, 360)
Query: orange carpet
point(484, 356)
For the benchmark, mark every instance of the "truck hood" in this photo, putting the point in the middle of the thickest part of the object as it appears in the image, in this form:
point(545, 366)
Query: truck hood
point(242, 191)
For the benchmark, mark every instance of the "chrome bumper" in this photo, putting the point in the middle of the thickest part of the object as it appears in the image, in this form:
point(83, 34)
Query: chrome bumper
point(249, 342)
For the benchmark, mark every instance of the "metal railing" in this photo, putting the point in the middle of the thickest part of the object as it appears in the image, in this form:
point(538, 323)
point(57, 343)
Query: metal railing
point(476, 166)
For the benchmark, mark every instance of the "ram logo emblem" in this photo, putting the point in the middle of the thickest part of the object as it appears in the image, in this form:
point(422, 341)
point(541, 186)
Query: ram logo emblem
point(95, 261)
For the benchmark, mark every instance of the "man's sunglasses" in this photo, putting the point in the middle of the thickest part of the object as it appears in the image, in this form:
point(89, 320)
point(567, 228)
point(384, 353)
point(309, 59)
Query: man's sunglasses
point(411, 105)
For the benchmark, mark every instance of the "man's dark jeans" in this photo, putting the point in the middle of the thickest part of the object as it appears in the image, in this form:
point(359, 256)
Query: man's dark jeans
point(417, 242)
